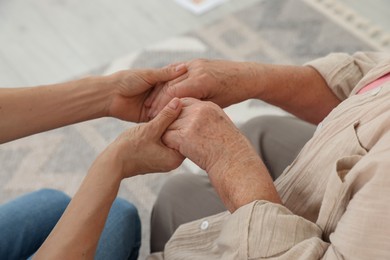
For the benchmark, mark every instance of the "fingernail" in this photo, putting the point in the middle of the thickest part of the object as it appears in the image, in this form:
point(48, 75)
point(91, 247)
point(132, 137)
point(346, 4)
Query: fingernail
point(180, 67)
point(174, 103)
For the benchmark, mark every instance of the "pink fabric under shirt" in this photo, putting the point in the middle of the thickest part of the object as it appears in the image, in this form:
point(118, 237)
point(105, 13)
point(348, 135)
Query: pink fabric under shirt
point(375, 83)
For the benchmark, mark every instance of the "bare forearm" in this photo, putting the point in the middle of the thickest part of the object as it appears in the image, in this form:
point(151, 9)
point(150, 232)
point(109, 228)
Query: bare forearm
point(138, 150)
point(26, 111)
point(77, 233)
point(240, 177)
point(300, 90)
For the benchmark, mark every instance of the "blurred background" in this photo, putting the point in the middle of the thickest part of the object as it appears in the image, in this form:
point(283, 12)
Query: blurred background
point(46, 41)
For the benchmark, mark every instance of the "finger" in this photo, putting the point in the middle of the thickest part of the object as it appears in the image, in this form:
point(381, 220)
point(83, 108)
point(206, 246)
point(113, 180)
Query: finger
point(189, 87)
point(162, 99)
point(172, 139)
point(161, 102)
point(155, 95)
point(178, 79)
point(156, 109)
point(169, 114)
point(162, 96)
point(165, 74)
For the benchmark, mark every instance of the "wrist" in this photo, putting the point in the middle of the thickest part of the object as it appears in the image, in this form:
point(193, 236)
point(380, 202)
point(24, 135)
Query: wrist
point(106, 85)
point(111, 162)
point(253, 79)
point(97, 92)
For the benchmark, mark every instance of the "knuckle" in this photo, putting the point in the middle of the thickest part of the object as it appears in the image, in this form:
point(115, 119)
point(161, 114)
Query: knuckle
point(208, 106)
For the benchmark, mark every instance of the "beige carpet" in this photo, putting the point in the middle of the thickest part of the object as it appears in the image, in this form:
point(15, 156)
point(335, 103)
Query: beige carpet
point(274, 31)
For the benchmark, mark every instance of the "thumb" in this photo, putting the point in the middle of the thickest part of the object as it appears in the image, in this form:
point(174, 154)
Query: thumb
point(166, 73)
point(166, 117)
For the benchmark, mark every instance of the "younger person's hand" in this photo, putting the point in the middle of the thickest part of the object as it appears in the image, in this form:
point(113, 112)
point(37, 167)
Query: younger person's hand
point(130, 88)
point(139, 150)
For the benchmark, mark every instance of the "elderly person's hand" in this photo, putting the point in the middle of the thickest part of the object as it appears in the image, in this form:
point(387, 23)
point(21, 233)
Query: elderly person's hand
point(130, 88)
point(220, 81)
point(205, 134)
point(299, 90)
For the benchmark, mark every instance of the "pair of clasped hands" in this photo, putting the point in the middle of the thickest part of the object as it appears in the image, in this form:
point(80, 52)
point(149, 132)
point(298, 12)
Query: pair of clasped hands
point(182, 107)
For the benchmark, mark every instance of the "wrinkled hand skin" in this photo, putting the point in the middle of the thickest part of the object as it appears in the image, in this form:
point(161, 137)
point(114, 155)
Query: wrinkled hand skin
point(222, 82)
point(205, 134)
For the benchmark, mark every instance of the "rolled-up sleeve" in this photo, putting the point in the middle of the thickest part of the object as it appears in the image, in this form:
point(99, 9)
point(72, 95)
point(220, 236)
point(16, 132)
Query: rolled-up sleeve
point(263, 230)
point(271, 230)
point(259, 230)
point(274, 230)
point(342, 72)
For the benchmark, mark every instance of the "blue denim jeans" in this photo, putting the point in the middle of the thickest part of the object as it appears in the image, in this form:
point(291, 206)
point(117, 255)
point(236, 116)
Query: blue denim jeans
point(25, 222)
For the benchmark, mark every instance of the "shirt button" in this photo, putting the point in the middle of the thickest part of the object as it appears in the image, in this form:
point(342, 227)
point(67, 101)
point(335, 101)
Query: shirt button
point(204, 225)
point(375, 91)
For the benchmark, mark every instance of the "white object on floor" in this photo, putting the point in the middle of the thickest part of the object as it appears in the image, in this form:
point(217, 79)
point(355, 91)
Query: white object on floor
point(200, 6)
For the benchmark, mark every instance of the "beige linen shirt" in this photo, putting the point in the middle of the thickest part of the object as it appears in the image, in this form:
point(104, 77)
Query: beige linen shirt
point(336, 194)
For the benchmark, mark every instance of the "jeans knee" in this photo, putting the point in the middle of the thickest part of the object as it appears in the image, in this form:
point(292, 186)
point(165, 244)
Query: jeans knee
point(127, 212)
point(52, 202)
point(53, 196)
point(126, 207)
point(121, 236)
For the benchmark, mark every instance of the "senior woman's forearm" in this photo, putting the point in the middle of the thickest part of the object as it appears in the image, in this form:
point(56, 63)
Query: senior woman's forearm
point(300, 90)
point(26, 111)
point(240, 177)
